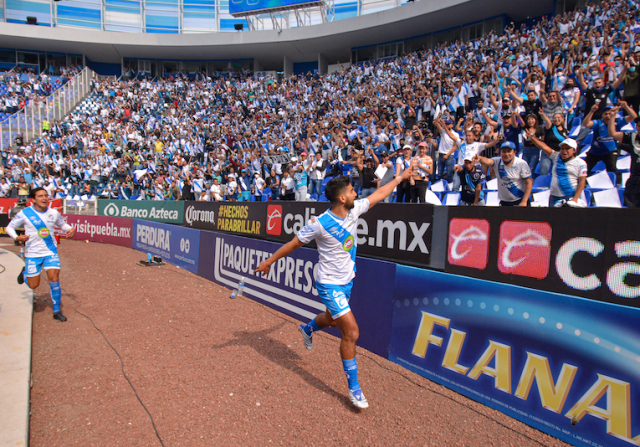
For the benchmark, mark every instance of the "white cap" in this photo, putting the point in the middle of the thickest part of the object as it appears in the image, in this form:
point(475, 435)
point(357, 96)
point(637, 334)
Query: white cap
point(570, 142)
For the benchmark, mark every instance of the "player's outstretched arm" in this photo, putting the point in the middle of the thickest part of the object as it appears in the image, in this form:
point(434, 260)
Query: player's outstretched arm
point(283, 251)
point(382, 192)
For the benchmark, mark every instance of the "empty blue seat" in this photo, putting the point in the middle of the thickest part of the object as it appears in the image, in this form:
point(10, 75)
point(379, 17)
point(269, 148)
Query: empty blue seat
point(541, 183)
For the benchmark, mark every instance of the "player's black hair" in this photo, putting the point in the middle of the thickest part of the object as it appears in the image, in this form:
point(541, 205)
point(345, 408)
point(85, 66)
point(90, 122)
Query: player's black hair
point(336, 187)
point(33, 192)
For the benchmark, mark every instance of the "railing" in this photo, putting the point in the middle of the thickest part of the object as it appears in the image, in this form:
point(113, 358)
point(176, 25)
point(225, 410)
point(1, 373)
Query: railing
point(28, 121)
point(87, 207)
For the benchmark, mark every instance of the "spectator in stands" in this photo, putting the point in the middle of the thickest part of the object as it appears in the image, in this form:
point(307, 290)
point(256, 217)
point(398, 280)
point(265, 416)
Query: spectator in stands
point(301, 181)
point(317, 170)
point(531, 152)
point(423, 168)
point(599, 95)
point(403, 194)
point(449, 141)
point(569, 173)
point(513, 174)
point(471, 179)
point(244, 186)
point(632, 187)
point(287, 186)
point(232, 191)
point(604, 146)
point(369, 179)
point(24, 189)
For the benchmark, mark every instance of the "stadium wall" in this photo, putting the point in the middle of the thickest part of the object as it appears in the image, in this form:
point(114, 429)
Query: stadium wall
point(564, 364)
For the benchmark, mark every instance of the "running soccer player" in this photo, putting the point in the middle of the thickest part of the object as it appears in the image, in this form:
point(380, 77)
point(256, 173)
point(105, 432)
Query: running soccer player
point(335, 235)
point(41, 250)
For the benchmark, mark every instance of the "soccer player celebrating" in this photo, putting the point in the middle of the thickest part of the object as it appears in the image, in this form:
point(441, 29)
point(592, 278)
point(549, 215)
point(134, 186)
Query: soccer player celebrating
point(335, 235)
point(41, 250)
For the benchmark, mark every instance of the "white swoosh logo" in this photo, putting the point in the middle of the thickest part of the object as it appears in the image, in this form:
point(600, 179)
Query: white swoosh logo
point(271, 216)
point(529, 237)
point(472, 233)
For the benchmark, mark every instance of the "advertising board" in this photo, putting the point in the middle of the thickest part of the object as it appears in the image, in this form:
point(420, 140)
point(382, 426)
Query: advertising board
point(240, 7)
point(592, 253)
point(242, 218)
point(107, 230)
point(6, 205)
point(167, 211)
point(390, 231)
point(177, 245)
point(565, 365)
point(290, 285)
point(4, 221)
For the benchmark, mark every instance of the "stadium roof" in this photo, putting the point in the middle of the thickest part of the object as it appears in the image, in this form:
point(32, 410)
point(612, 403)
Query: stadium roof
point(333, 40)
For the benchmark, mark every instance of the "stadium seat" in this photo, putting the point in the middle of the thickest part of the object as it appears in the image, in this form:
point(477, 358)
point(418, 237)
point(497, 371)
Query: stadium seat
point(623, 164)
point(492, 199)
point(440, 186)
point(492, 185)
point(541, 183)
point(601, 180)
point(451, 199)
point(621, 195)
point(599, 167)
point(433, 197)
point(607, 198)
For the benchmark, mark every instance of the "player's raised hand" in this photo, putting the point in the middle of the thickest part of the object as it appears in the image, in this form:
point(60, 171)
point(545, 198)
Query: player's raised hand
point(263, 267)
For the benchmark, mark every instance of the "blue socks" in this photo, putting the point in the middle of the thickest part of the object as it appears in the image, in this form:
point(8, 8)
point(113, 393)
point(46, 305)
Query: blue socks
point(351, 370)
point(56, 295)
point(312, 327)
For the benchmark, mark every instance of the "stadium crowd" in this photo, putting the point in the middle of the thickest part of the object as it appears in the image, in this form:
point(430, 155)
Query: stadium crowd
point(22, 85)
point(508, 106)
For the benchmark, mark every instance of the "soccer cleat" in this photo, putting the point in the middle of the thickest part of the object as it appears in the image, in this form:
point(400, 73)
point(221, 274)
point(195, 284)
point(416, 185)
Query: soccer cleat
point(306, 339)
point(357, 399)
point(58, 316)
point(21, 276)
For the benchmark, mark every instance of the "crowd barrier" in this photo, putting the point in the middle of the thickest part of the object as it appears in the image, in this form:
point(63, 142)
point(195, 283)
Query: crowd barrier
point(389, 231)
point(534, 312)
point(566, 365)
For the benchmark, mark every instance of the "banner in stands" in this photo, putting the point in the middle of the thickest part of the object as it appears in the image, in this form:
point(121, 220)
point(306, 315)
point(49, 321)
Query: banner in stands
point(567, 366)
point(392, 231)
point(167, 211)
point(242, 218)
point(6, 205)
point(593, 253)
point(177, 245)
point(4, 221)
point(108, 230)
point(290, 285)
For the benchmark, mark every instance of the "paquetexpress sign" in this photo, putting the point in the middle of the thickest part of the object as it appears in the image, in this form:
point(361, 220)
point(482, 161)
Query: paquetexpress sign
point(289, 287)
point(157, 210)
point(394, 231)
point(593, 253)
